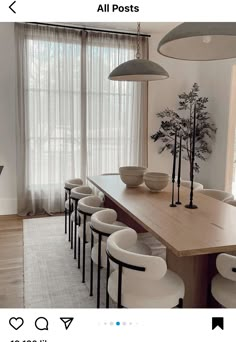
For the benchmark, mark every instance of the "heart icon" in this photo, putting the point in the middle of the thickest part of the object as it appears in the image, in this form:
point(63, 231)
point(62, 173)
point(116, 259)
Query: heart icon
point(16, 323)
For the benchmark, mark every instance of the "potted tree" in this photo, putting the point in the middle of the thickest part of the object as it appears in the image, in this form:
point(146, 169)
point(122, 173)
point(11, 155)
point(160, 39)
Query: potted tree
point(183, 122)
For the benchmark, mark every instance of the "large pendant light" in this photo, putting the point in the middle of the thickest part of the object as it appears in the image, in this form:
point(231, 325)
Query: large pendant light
point(200, 41)
point(138, 69)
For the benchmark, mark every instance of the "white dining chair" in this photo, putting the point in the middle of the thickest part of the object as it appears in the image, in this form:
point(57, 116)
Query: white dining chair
point(140, 281)
point(223, 285)
point(87, 206)
point(76, 220)
point(103, 224)
point(217, 194)
point(68, 186)
point(187, 184)
point(231, 202)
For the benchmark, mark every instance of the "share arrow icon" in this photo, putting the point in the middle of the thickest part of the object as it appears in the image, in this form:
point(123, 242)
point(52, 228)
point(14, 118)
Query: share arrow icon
point(67, 321)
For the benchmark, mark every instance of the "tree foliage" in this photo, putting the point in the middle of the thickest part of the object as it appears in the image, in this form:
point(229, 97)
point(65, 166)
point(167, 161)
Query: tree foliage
point(183, 124)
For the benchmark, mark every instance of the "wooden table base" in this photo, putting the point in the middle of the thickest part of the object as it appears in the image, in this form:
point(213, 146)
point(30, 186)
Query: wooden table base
point(196, 272)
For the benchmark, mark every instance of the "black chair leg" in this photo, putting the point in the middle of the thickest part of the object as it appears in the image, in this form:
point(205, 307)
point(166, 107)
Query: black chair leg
point(78, 252)
point(71, 234)
point(75, 233)
point(70, 205)
point(66, 221)
point(180, 305)
point(99, 270)
point(84, 241)
point(65, 212)
point(69, 228)
point(108, 274)
point(75, 240)
point(91, 266)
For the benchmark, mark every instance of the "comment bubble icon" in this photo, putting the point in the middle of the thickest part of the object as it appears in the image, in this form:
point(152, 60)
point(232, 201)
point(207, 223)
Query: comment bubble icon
point(41, 323)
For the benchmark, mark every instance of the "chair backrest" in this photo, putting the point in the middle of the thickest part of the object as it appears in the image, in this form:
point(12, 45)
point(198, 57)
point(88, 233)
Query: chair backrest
point(217, 194)
point(90, 204)
point(72, 183)
point(81, 192)
point(118, 244)
point(226, 266)
point(196, 186)
point(105, 221)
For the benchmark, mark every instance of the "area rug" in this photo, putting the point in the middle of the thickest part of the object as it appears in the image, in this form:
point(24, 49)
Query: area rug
point(51, 276)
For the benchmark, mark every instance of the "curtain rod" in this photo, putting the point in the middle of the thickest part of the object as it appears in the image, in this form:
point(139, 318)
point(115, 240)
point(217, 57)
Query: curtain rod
point(88, 29)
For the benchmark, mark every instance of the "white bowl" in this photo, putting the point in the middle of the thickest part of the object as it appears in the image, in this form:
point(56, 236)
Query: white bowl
point(156, 181)
point(156, 175)
point(132, 170)
point(132, 176)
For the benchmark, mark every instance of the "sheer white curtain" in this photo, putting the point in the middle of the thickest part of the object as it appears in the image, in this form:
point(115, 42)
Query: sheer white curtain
point(50, 117)
point(116, 117)
point(73, 121)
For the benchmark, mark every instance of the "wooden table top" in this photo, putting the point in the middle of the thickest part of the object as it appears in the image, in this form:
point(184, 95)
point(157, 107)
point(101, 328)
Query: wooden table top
point(209, 229)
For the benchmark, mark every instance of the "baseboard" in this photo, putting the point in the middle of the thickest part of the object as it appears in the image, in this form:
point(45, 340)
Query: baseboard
point(8, 206)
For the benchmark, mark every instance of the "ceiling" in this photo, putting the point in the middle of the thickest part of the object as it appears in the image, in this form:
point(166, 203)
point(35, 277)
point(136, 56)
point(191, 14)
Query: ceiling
point(146, 27)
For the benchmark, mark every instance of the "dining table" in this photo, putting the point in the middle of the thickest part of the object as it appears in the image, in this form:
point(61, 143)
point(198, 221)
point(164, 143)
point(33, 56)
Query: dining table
point(193, 237)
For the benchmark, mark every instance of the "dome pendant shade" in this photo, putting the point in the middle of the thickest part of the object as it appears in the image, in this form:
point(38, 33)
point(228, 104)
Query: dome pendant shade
point(138, 70)
point(200, 41)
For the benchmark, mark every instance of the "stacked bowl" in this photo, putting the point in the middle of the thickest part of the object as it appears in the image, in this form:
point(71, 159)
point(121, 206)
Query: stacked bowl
point(132, 176)
point(156, 181)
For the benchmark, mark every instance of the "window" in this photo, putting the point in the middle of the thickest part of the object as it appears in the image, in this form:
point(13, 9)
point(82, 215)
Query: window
point(76, 121)
point(53, 95)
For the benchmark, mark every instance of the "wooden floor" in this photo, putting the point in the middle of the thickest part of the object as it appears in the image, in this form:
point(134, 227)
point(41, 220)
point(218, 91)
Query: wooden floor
point(11, 262)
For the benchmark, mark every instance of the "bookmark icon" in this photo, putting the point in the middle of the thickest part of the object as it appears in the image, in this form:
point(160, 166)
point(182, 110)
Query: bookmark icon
point(217, 322)
point(67, 321)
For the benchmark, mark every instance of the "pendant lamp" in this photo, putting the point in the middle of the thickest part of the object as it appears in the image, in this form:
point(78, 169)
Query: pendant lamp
point(200, 41)
point(138, 69)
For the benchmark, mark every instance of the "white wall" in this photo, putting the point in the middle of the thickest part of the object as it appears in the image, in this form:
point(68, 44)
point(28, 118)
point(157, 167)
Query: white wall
point(215, 80)
point(163, 94)
point(8, 201)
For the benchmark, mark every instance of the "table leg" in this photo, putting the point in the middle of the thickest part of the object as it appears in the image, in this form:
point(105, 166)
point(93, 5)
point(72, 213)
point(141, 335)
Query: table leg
point(196, 272)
